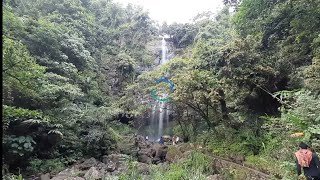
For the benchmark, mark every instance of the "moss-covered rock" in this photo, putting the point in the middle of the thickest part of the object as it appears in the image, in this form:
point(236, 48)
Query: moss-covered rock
point(173, 154)
point(184, 147)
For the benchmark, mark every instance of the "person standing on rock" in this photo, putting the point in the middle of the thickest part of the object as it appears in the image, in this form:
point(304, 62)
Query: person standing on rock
point(177, 139)
point(309, 161)
point(174, 140)
point(161, 141)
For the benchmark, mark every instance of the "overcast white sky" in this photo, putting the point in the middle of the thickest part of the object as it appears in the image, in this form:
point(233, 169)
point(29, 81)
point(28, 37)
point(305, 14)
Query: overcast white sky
point(180, 11)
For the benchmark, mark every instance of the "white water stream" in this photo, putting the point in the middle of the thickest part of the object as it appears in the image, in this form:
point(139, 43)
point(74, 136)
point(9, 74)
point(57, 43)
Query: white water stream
point(159, 119)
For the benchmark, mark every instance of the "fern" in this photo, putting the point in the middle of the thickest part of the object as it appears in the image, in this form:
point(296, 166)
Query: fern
point(32, 121)
point(55, 132)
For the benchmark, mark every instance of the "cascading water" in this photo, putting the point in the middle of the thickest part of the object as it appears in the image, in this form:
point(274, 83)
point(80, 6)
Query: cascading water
point(162, 108)
point(159, 119)
point(164, 50)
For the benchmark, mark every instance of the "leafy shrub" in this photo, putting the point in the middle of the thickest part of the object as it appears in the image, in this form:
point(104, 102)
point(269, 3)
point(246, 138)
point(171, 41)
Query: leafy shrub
point(288, 170)
point(12, 177)
point(198, 161)
point(46, 165)
point(121, 128)
point(174, 172)
point(14, 115)
point(21, 144)
point(132, 172)
point(196, 167)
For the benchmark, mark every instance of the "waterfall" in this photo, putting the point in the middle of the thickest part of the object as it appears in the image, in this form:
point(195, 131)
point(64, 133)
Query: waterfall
point(159, 119)
point(162, 109)
point(164, 51)
point(161, 112)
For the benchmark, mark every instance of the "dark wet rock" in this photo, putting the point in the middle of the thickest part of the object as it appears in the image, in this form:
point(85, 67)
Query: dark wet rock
point(161, 152)
point(144, 152)
point(153, 152)
point(144, 158)
point(156, 160)
point(148, 152)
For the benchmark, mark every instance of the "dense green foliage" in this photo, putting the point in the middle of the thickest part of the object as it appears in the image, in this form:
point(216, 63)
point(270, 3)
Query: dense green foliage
point(64, 62)
point(248, 81)
point(244, 82)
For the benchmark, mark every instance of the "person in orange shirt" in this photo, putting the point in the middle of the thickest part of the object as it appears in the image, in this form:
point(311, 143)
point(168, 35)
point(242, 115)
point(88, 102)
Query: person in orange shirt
point(309, 161)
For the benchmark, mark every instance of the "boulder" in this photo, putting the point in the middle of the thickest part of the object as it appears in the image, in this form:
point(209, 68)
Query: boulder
point(105, 159)
point(173, 154)
point(88, 163)
point(161, 152)
point(144, 152)
point(239, 159)
point(92, 174)
point(111, 166)
point(45, 176)
point(156, 160)
point(144, 158)
point(118, 158)
point(184, 147)
point(148, 152)
point(153, 152)
point(114, 161)
point(67, 178)
point(142, 143)
point(68, 172)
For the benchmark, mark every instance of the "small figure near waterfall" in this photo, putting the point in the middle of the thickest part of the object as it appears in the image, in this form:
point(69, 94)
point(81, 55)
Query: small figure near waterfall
point(174, 140)
point(161, 141)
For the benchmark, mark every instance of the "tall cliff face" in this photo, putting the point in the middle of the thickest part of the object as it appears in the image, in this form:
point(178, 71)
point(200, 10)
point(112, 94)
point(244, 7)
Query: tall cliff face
point(155, 48)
